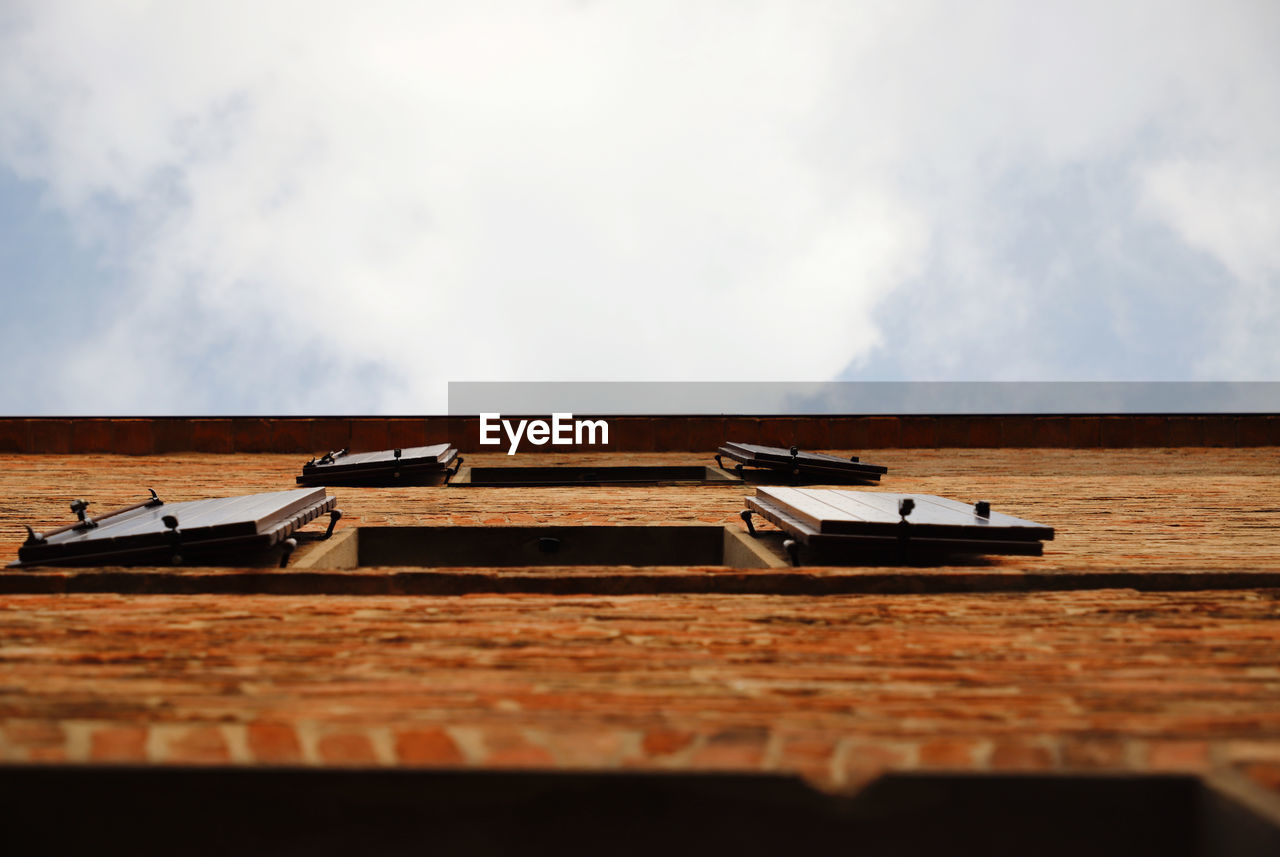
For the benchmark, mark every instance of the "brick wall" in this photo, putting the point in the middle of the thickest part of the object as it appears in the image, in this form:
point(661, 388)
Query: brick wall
point(1118, 674)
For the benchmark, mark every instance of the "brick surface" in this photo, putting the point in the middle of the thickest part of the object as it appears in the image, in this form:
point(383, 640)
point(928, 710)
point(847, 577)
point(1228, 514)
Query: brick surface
point(778, 431)
point(849, 432)
point(883, 432)
point(195, 745)
point(431, 746)
point(212, 435)
point(1220, 431)
point(1085, 431)
point(833, 687)
point(330, 434)
point(1177, 756)
point(273, 743)
point(291, 435)
point(251, 435)
point(1118, 432)
point(919, 432)
point(49, 436)
point(119, 744)
point(173, 435)
point(13, 436)
point(1023, 755)
point(706, 433)
point(665, 742)
point(813, 434)
point(671, 435)
point(370, 434)
point(1052, 432)
point(1018, 431)
point(133, 437)
point(347, 748)
point(406, 431)
point(744, 430)
point(625, 433)
point(985, 432)
point(635, 434)
point(1150, 431)
point(91, 435)
point(1256, 431)
point(953, 431)
point(1186, 431)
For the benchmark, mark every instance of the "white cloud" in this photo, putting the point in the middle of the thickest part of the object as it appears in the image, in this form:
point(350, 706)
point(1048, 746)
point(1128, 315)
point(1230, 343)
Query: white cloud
point(431, 192)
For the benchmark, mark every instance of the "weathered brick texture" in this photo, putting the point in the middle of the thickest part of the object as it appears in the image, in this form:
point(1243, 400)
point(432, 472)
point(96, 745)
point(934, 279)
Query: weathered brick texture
point(836, 687)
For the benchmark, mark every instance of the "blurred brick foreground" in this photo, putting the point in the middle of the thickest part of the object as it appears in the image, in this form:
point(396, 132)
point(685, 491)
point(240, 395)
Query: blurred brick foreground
point(1024, 664)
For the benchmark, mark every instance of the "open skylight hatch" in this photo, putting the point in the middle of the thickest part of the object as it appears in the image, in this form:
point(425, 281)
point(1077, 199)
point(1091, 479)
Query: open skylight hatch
point(758, 463)
point(248, 530)
point(828, 526)
point(415, 465)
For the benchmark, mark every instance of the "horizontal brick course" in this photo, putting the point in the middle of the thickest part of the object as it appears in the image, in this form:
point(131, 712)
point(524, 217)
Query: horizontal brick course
point(139, 436)
point(835, 690)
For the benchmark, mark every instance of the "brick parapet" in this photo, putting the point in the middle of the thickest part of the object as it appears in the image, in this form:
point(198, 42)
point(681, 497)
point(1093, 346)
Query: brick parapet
point(160, 435)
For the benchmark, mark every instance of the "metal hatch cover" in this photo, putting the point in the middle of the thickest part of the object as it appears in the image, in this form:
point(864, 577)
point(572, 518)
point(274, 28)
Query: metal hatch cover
point(842, 526)
point(153, 531)
point(414, 465)
point(800, 465)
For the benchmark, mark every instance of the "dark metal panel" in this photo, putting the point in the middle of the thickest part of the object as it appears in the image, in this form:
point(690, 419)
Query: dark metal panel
point(863, 526)
point(869, 512)
point(158, 531)
point(800, 463)
point(416, 465)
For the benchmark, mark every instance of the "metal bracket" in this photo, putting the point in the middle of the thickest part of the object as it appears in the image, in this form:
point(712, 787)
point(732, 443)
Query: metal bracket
point(33, 538)
point(335, 515)
point(451, 472)
point(86, 523)
point(792, 548)
point(745, 515)
point(288, 545)
point(982, 509)
point(719, 463)
point(905, 507)
point(175, 536)
point(330, 457)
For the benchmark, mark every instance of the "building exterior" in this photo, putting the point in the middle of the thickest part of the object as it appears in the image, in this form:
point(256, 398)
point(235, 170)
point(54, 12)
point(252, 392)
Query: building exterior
point(1141, 649)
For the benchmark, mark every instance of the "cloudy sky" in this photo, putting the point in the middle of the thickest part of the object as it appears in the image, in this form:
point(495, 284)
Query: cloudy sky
point(313, 207)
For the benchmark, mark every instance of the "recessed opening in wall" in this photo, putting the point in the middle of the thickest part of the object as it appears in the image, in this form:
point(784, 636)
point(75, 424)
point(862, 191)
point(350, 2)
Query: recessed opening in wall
point(602, 475)
point(364, 811)
point(497, 547)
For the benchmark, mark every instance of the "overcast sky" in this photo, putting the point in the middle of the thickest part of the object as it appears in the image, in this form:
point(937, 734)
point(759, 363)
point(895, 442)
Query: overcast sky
point(313, 207)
